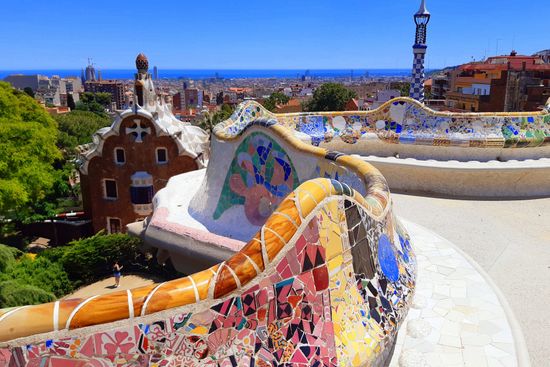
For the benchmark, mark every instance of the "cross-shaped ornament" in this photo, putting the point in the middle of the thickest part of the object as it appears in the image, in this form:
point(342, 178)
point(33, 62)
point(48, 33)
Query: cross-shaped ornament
point(139, 131)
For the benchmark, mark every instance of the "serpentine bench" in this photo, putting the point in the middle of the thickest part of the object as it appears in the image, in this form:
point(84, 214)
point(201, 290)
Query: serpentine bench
point(313, 269)
point(494, 154)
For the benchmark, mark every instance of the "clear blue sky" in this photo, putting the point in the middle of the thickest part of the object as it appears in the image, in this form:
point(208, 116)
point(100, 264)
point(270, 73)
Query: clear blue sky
point(262, 34)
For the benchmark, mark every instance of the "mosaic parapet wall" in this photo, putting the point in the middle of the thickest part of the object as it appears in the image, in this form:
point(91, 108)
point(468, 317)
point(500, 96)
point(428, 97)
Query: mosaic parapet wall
point(406, 121)
point(325, 281)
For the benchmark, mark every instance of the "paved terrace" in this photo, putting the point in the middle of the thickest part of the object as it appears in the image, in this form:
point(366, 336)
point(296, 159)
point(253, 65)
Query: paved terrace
point(510, 240)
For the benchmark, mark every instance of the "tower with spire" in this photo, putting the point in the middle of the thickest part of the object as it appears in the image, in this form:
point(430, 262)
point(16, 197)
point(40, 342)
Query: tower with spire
point(421, 19)
point(90, 71)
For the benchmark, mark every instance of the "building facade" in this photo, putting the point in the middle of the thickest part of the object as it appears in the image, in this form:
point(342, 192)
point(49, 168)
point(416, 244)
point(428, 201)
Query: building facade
point(193, 98)
point(501, 83)
point(131, 160)
point(113, 87)
point(20, 81)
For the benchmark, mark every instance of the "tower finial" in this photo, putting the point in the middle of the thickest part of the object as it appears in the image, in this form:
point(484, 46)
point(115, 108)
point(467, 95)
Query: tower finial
point(423, 10)
point(142, 64)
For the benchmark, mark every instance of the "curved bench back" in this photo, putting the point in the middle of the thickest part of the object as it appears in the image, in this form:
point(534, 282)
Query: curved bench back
point(249, 178)
point(406, 121)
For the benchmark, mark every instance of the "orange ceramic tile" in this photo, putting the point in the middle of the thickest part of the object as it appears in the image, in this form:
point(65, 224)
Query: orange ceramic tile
point(139, 295)
point(176, 293)
point(202, 280)
point(253, 249)
point(225, 282)
point(20, 322)
point(242, 267)
point(107, 308)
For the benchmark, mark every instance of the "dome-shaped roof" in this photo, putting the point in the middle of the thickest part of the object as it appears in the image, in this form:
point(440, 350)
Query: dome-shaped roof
point(142, 64)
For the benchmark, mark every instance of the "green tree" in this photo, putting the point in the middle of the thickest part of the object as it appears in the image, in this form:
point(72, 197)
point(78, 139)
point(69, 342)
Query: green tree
point(276, 98)
point(403, 87)
point(25, 280)
point(91, 259)
point(41, 273)
point(209, 120)
point(329, 97)
point(13, 294)
point(7, 257)
point(94, 102)
point(77, 127)
point(27, 153)
point(103, 99)
point(29, 91)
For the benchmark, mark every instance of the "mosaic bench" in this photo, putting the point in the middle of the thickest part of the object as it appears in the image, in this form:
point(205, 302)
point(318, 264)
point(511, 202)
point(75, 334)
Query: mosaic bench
point(456, 154)
point(318, 271)
point(406, 128)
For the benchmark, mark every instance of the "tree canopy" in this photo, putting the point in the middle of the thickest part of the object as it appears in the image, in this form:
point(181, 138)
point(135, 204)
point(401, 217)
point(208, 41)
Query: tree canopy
point(27, 152)
point(77, 127)
point(329, 97)
point(26, 279)
point(94, 102)
point(276, 98)
point(209, 120)
point(404, 88)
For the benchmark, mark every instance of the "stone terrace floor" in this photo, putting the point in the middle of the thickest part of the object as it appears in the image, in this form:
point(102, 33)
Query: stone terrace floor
point(510, 240)
point(456, 318)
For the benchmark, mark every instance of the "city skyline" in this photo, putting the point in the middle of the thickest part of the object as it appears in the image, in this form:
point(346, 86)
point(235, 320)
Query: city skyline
point(304, 35)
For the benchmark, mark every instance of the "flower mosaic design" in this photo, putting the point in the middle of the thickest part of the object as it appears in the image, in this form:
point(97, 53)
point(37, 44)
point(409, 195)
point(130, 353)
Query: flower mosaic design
point(120, 342)
point(260, 176)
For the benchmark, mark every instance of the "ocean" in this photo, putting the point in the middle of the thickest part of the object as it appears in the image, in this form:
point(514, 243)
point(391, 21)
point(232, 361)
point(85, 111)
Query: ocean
point(223, 73)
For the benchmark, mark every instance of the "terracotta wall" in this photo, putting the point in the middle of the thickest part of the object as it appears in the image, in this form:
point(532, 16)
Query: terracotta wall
point(139, 157)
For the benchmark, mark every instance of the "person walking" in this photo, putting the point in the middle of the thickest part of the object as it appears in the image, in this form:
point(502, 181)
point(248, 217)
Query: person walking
point(116, 271)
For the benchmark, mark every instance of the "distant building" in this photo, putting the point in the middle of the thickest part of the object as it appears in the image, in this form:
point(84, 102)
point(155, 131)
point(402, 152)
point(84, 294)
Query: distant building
point(52, 91)
point(501, 83)
point(90, 72)
point(57, 110)
point(155, 73)
point(131, 160)
point(219, 98)
point(177, 101)
point(192, 98)
point(293, 105)
point(73, 85)
point(544, 55)
point(186, 115)
point(383, 96)
point(52, 98)
point(20, 81)
point(440, 85)
point(352, 105)
point(114, 87)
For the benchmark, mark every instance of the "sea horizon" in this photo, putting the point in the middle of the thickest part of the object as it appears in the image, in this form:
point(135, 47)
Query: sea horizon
point(221, 73)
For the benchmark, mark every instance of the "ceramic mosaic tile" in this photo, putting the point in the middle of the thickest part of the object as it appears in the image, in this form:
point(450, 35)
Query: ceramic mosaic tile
point(326, 281)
